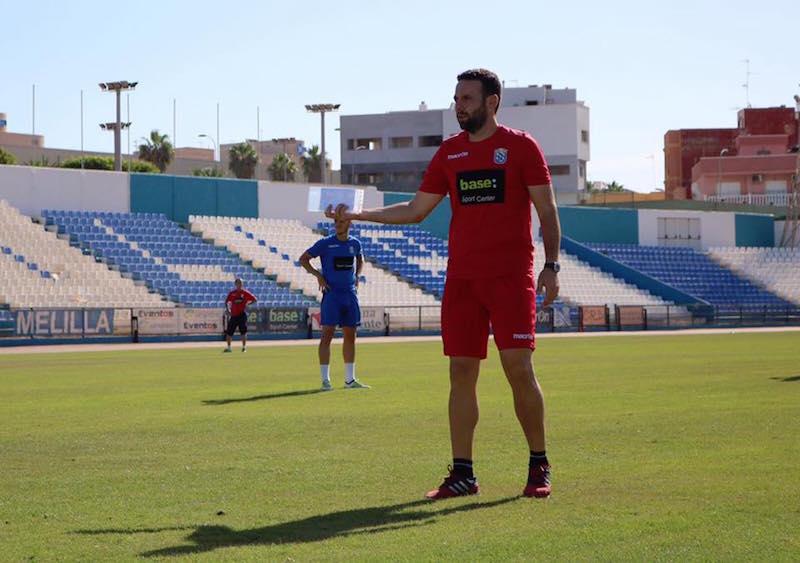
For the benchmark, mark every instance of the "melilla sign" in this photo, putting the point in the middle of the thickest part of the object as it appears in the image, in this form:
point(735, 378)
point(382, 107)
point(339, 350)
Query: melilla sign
point(64, 322)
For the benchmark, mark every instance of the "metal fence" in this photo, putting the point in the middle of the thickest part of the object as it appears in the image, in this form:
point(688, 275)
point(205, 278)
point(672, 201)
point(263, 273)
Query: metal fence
point(280, 322)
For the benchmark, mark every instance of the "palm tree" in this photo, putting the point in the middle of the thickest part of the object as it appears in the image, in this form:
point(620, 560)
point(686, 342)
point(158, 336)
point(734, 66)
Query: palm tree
point(242, 160)
point(282, 168)
point(615, 187)
point(311, 164)
point(212, 172)
point(157, 150)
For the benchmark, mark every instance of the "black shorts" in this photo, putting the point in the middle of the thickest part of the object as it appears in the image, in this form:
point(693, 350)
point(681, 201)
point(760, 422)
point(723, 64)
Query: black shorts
point(240, 322)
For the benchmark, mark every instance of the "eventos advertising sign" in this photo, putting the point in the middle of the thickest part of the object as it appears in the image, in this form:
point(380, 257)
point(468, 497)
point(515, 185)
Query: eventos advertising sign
point(157, 321)
point(179, 321)
point(201, 321)
point(64, 322)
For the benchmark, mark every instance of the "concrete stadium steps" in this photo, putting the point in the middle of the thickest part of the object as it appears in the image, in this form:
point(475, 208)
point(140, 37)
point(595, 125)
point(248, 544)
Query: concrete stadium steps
point(39, 269)
point(693, 272)
point(775, 269)
point(168, 258)
point(276, 245)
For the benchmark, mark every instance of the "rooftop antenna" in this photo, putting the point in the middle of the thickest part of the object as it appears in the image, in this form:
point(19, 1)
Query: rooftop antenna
point(746, 84)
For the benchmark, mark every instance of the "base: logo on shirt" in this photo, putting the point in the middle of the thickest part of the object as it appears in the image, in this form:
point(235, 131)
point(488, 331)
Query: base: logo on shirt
point(481, 186)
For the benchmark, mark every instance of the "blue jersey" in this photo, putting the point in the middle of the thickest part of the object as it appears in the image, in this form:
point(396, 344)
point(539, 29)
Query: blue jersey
point(338, 259)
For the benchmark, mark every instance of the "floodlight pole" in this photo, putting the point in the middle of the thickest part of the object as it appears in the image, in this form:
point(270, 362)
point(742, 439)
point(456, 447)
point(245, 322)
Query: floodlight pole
point(322, 109)
point(117, 126)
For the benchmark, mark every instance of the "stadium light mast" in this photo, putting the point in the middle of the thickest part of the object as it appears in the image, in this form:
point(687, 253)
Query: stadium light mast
point(117, 87)
point(322, 109)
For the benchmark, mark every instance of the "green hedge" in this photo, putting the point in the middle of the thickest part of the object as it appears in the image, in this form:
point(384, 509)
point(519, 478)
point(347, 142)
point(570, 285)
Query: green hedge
point(107, 163)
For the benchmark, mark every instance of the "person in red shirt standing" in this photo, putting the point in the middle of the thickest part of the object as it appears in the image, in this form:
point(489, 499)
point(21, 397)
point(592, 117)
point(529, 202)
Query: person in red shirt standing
point(492, 173)
point(236, 304)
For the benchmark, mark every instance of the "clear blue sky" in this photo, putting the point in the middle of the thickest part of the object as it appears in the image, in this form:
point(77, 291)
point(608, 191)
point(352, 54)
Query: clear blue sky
point(643, 68)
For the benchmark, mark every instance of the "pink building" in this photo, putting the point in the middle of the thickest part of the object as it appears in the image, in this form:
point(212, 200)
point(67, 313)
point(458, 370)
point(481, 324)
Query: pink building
point(762, 169)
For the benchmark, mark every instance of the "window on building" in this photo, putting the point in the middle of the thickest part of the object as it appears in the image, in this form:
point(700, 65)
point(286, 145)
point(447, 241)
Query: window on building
point(729, 188)
point(371, 178)
point(531, 102)
point(430, 140)
point(775, 187)
point(582, 169)
point(371, 144)
point(679, 231)
point(401, 142)
point(584, 136)
point(559, 170)
point(405, 177)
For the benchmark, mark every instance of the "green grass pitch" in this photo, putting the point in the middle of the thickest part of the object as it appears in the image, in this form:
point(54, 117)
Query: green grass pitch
point(663, 448)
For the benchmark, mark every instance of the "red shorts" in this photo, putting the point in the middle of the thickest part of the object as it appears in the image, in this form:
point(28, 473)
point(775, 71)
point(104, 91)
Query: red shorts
point(508, 303)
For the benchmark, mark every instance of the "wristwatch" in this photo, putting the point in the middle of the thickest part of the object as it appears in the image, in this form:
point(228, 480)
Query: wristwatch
point(555, 266)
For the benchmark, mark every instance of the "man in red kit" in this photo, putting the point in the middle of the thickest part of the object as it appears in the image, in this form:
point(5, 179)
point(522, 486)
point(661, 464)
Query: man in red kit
point(236, 304)
point(492, 174)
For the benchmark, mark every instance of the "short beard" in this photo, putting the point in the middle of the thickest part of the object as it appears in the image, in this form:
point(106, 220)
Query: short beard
point(474, 123)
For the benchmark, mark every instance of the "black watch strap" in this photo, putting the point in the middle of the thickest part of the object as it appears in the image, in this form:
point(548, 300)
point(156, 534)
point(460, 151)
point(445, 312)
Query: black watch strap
point(555, 266)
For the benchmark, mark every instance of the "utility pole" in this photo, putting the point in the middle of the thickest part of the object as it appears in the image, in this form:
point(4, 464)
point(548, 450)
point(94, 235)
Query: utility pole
point(117, 126)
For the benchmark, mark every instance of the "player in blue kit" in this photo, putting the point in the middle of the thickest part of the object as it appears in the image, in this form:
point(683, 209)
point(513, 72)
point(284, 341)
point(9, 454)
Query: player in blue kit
point(342, 261)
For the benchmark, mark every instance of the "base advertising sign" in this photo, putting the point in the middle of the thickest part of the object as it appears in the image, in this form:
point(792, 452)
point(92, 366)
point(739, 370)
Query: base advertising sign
point(64, 322)
point(201, 321)
point(285, 320)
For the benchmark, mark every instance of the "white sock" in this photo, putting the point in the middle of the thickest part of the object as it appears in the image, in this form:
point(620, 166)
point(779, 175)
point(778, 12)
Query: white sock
point(229, 346)
point(325, 371)
point(349, 373)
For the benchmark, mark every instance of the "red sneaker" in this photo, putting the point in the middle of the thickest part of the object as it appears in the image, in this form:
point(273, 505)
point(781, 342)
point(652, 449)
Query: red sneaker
point(454, 485)
point(538, 482)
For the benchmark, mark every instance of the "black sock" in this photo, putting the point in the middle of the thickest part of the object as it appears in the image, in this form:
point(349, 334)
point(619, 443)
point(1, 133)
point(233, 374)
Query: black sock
point(463, 467)
point(538, 458)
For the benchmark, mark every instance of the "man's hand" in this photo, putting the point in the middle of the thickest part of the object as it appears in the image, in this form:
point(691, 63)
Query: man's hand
point(548, 281)
point(323, 283)
point(341, 213)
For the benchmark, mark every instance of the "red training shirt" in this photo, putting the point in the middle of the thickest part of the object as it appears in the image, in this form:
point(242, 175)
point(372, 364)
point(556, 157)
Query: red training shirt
point(487, 181)
point(239, 299)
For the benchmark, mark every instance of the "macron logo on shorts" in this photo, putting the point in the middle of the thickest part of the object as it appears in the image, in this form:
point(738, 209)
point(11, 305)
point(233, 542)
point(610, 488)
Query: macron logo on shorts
point(524, 336)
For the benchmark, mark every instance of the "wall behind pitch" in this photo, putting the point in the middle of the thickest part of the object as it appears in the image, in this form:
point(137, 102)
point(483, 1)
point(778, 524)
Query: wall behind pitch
point(755, 230)
point(289, 200)
point(177, 197)
point(592, 224)
point(31, 189)
point(716, 228)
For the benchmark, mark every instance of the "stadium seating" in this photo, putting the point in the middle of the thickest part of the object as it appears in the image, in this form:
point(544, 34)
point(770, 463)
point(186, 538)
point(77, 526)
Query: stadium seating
point(276, 244)
point(421, 257)
point(775, 269)
point(582, 284)
point(694, 273)
point(169, 259)
point(39, 269)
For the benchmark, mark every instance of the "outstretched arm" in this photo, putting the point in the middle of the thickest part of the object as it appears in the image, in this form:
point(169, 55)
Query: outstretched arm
point(412, 211)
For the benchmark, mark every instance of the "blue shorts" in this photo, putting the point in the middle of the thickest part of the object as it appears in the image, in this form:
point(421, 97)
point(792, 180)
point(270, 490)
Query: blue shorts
point(340, 308)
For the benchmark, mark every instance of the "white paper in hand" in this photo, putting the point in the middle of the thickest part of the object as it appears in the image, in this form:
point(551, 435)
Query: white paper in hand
point(319, 198)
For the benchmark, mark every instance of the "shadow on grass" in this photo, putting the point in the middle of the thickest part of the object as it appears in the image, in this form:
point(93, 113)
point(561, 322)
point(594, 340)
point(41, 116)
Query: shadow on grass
point(263, 397)
point(344, 523)
point(787, 379)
